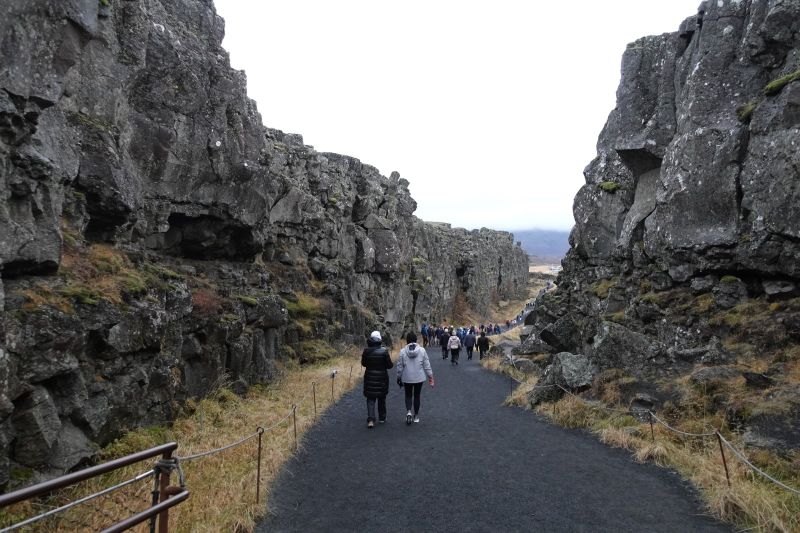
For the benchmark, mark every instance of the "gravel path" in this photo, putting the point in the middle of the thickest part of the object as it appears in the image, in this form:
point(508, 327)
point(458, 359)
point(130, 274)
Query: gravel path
point(470, 465)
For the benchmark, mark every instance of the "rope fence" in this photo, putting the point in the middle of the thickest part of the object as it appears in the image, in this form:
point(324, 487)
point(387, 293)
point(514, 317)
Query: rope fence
point(716, 434)
point(166, 465)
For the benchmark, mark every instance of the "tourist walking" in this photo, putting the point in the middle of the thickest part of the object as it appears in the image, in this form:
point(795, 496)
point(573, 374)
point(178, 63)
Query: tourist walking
point(376, 361)
point(443, 338)
point(413, 368)
point(469, 344)
point(454, 345)
point(424, 331)
point(483, 345)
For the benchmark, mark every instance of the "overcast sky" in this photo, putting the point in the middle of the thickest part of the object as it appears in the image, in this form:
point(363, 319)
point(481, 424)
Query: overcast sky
point(491, 109)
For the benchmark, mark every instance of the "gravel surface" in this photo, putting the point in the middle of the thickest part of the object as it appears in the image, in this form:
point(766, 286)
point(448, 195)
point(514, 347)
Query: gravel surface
point(471, 464)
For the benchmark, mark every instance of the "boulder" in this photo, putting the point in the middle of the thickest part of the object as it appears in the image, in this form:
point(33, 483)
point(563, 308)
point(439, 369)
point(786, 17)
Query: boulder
point(567, 370)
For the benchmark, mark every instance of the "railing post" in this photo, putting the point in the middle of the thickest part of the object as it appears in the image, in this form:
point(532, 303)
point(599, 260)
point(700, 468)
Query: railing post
point(294, 422)
point(652, 434)
point(258, 468)
point(314, 396)
point(333, 381)
point(724, 461)
point(350, 377)
point(154, 501)
point(163, 517)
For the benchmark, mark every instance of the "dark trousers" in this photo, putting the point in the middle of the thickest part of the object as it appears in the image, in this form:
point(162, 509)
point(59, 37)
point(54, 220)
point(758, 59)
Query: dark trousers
point(381, 408)
point(482, 352)
point(444, 351)
point(454, 354)
point(416, 389)
point(469, 352)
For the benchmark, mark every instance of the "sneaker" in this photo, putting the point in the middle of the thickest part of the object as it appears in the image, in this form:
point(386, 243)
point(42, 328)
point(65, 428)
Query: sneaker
point(382, 420)
point(408, 418)
point(416, 419)
point(370, 424)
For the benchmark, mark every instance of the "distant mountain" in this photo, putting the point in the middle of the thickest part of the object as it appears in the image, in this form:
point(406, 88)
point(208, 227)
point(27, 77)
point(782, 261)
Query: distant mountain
point(546, 246)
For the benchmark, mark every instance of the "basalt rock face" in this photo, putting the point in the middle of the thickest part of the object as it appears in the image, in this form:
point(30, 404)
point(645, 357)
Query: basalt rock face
point(156, 239)
point(686, 248)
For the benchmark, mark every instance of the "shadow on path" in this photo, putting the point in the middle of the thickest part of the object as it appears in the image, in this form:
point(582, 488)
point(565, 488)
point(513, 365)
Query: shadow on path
point(470, 465)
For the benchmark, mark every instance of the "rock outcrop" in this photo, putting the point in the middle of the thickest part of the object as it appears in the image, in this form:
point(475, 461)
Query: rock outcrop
point(156, 239)
point(686, 248)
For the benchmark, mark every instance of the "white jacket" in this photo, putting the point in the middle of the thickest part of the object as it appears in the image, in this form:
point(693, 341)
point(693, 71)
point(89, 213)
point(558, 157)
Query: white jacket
point(413, 365)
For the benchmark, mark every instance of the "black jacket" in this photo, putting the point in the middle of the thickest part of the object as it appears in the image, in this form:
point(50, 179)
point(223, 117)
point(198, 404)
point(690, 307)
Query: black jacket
point(376, 360)
point(483, 344)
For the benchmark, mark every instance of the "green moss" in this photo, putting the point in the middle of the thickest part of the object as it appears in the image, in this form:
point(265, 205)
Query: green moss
point(20, 474)
point(105, 3)
point(81, 293)
point(229, 318)
point(247, 300)
point(312, 351)
point(609, 186)
point(602, 287)
point(745, 111)
point(162, 271)
point(775, 86)
point(704, 303)
point(134, 283)
point(618, 317)
point(729, 279)
point(306, 306)
point(419, 261)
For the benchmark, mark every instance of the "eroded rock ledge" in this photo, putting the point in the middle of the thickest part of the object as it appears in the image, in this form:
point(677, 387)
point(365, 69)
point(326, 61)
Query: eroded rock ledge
point(686, 248)
point(156, 238)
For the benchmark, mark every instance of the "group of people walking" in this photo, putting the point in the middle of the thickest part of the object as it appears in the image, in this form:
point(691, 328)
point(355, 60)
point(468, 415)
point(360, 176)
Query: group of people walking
point(413, 369)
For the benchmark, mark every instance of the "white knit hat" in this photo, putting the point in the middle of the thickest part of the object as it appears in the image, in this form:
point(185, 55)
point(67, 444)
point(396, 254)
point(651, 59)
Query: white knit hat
point(375, 336)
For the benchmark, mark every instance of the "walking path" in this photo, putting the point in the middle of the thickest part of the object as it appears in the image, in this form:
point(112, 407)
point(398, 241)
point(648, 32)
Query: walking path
point(470, 465)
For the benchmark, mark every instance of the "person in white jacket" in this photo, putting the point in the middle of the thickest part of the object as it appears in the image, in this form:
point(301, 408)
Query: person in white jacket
point(413, 367)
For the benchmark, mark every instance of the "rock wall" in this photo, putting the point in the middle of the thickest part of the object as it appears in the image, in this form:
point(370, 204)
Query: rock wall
point(156, 239)
point(686, 247)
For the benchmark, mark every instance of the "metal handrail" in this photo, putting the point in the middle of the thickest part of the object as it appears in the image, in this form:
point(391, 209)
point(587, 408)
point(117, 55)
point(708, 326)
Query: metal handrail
point(148, 513)
point(46, 487)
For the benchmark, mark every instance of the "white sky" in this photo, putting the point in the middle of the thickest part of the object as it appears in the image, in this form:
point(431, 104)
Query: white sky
point(491, 109)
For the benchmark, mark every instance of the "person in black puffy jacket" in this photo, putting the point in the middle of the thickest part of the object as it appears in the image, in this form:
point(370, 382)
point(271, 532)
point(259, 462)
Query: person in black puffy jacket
point(376, 360)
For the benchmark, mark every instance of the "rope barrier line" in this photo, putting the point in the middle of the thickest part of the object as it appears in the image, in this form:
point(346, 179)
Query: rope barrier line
point(687, 433)
point(743, 459)
point(740, 455)
point(220, 449)
point(70, 505)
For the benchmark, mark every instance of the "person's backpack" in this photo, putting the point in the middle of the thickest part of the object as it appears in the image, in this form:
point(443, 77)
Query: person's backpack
point(454, 343)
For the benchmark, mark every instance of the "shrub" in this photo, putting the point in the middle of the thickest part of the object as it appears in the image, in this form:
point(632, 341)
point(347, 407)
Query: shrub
point(602, 287)
point(206, 301)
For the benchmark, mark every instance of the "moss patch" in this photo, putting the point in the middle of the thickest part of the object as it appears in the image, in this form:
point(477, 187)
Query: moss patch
point(745, 111)
point(315, 350)
point(775, 86)
point(602, 287)
point(305, 306)
point(609, 186)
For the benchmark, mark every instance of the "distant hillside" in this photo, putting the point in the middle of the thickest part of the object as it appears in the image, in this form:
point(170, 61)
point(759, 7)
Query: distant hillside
point(544, 245)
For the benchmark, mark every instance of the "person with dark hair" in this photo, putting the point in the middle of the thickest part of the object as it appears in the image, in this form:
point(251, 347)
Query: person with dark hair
point(413, 367)
point(444, 336)
point(376, 361)
point(469, 344)
point(483, 345)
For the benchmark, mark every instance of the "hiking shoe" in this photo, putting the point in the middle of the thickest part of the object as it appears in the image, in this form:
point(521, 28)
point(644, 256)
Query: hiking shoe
point(408, 419)
point(370, 424)
point(416, 419)
point(382, 420)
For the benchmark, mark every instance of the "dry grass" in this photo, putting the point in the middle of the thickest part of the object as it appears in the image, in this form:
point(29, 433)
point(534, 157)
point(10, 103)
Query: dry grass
point(750, 502)
point(222, 486)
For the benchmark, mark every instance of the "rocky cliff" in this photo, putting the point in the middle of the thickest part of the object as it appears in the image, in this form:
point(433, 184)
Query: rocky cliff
point(686, 248)
point(157, 240)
